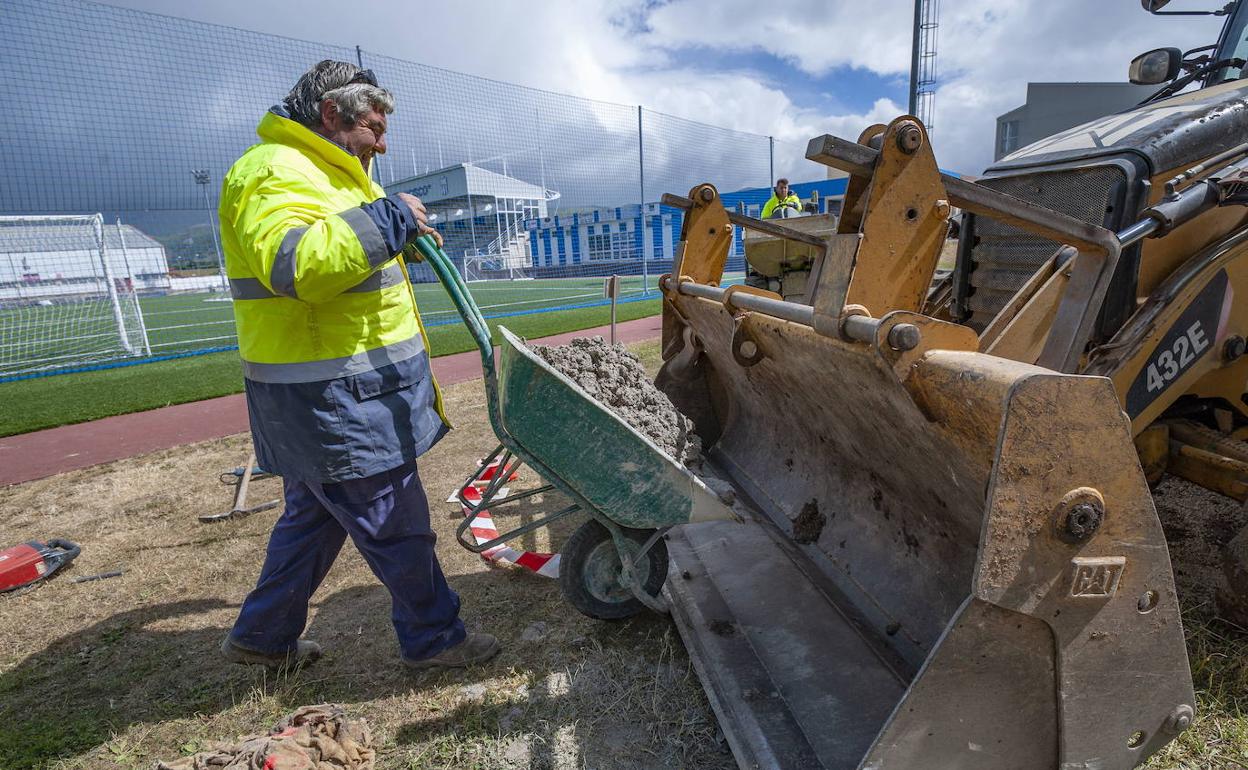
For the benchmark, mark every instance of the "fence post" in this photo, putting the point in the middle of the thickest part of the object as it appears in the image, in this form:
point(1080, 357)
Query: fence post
point(202, 178)
point(374, 168)
point(472, 213)
point(771, 161)
point(641, 208)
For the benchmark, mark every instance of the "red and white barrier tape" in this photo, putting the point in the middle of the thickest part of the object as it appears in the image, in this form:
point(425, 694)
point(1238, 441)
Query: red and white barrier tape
point(488, 475)
point(483, 529)
point(491, 471)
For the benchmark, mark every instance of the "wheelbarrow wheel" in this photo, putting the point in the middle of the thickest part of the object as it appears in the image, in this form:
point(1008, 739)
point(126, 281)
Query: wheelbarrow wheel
point(589, 572)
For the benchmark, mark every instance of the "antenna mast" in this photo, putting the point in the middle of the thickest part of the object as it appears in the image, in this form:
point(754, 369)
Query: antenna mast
point(923, 61)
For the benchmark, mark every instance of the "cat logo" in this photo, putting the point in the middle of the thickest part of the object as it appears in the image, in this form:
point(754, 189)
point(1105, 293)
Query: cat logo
point(1096, 577)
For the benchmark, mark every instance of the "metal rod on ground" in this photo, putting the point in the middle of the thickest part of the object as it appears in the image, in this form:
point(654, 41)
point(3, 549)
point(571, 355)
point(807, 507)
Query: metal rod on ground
point(240, 497)
point(101, 576)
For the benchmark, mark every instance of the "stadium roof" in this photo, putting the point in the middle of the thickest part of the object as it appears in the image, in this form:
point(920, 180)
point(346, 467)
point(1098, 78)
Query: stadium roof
point(464, 179)
point(36, 237)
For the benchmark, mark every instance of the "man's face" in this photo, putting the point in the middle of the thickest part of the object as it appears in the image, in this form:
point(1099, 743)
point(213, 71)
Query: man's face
point(364, 139)
point(782, 190)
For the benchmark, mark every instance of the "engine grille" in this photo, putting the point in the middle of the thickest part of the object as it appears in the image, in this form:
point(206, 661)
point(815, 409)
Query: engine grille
point(1004, 257)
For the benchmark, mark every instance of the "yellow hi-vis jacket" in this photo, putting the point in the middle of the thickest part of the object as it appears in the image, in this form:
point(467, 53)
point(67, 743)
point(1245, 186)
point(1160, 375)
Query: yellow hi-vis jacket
point(774, 202)
point(328, 327)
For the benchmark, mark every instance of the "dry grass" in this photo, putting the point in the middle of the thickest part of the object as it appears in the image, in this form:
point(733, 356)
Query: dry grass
point(1197, 524)
point(120, 672)
point(117, 673)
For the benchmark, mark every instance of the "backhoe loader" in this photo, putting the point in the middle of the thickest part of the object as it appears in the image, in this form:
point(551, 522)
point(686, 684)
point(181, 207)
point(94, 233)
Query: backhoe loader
point(950, 555)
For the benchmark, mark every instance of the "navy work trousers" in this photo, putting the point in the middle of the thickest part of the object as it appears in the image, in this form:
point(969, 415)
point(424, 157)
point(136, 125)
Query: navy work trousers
point(387, 517)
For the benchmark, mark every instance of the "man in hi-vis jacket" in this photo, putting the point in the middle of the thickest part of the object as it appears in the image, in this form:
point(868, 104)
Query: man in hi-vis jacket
point(336, 366)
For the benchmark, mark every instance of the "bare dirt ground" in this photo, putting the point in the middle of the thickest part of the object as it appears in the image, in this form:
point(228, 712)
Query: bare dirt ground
point(1197, 524)
point(120, 672)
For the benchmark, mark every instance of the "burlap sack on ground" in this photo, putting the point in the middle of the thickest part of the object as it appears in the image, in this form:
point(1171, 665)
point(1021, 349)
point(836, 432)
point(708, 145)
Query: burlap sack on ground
point(312, 738)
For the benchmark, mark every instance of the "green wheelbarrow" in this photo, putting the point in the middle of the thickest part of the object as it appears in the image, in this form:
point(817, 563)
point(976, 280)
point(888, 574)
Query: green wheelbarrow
point(615, 563)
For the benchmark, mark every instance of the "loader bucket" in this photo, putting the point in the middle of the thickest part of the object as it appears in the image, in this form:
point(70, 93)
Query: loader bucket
point(953, 560)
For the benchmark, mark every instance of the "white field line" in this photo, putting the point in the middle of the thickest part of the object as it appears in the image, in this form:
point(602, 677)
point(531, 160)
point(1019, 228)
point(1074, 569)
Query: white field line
point(522, 302)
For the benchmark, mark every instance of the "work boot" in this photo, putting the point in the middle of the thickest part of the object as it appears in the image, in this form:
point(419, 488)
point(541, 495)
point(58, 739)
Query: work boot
point(476, 648)
point(305, 652)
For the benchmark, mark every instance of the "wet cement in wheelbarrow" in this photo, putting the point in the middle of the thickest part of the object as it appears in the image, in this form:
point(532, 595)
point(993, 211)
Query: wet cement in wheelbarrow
point(614, 377)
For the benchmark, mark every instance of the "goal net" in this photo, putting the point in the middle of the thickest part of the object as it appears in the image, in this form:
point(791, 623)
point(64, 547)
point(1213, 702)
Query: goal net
point(67, 295)
point(494, 268)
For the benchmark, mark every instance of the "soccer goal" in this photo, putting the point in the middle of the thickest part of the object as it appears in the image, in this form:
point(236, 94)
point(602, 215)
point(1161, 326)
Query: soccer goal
point(493, 268)
point(67, 295)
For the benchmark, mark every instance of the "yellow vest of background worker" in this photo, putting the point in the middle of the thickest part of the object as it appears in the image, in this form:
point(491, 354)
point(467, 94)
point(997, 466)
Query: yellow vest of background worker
point(773, 203)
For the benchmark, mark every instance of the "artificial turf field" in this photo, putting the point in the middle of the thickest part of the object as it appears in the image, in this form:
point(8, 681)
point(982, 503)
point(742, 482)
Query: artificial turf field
point(177, 324)
point(70, 335)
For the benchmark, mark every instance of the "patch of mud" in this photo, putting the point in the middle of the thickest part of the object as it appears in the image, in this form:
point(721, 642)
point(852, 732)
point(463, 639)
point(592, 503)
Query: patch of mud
point(1198, 524)
point(809, 523)
point(614, 377)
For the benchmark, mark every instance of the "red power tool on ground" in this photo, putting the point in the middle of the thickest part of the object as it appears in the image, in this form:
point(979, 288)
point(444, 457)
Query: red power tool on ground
point(29, 562)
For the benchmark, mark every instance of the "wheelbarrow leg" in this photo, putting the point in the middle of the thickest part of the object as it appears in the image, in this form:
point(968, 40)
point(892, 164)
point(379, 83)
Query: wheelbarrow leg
point(631, 555)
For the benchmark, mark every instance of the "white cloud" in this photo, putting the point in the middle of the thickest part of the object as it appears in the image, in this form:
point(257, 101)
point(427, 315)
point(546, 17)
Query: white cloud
point(623, 51)
point(817, 37)
point(987, 50)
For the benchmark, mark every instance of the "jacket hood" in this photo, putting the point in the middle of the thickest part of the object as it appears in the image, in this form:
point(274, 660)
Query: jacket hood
point(276, 127)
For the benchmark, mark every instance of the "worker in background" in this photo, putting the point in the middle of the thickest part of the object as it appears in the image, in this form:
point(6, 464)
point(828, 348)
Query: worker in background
point(781, 200)
point(336, 367)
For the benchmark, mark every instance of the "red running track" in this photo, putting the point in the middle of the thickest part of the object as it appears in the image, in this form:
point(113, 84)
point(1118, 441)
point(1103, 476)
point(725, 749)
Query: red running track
point(31, 456)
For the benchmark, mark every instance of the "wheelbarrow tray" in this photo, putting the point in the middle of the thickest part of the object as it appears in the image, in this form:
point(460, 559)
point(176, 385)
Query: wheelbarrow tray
point(579, 444)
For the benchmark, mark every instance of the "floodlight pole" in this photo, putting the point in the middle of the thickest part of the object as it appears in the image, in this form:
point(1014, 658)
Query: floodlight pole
point(914, 58)
point(202, 179)
point(641, 207)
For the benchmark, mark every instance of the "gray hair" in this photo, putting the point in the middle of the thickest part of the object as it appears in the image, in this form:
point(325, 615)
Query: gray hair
point(331, 79)
point(357, 99)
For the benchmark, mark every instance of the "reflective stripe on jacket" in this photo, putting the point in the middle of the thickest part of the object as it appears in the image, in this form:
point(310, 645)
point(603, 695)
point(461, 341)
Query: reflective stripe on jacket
point(326, 318)
point(303, 261)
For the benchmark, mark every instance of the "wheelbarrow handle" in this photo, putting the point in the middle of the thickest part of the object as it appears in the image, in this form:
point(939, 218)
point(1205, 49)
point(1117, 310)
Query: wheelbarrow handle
point(460, 296)
point(473, 319)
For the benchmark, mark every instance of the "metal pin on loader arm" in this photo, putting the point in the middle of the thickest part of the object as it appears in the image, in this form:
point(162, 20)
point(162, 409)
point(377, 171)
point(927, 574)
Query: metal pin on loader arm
point(858, 328)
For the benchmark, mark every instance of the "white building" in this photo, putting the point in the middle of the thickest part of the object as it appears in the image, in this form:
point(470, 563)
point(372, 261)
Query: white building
point(42, 258)
point(481, 215)
point(1054, 107)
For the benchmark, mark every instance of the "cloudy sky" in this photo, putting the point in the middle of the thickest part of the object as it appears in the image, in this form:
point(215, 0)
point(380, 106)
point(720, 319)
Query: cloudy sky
point(791, 70)
point(140, 99)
